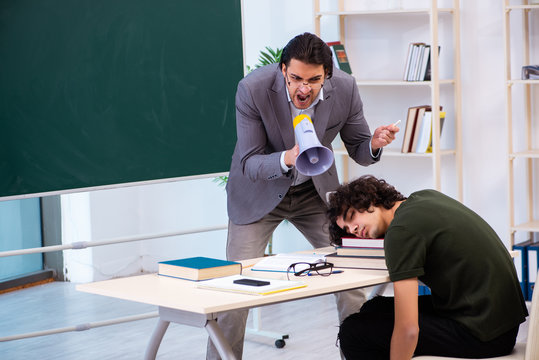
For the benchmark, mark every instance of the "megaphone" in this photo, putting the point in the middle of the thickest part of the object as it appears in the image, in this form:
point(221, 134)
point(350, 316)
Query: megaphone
point(313, 158)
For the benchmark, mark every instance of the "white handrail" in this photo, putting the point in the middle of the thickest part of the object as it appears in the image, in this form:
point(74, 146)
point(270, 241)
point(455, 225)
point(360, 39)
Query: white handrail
point(85, 244)
point(82, 327)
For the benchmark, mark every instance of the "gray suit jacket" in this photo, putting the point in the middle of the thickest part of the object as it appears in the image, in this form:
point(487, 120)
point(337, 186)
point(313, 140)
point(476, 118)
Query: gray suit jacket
point(256, 183)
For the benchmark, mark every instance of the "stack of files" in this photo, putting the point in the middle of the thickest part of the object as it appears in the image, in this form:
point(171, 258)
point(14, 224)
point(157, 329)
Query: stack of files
point(418, 129)
point(198, 268)
point(417, 66)
point(227, 284)
point(526, 266)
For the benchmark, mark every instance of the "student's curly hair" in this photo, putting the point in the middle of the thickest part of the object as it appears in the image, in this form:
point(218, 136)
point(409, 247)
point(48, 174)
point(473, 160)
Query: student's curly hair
point(360, 194)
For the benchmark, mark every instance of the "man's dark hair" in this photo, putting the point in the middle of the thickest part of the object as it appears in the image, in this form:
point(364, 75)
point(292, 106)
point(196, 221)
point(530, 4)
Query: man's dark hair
point(310, 49)
point(360, 194)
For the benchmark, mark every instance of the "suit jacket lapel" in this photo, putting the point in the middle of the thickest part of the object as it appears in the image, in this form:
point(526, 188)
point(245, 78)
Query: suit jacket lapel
point(322, 111)
point(281, 109)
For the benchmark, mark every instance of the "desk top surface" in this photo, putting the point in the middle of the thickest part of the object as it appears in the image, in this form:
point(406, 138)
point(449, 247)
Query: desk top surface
point(184, 295)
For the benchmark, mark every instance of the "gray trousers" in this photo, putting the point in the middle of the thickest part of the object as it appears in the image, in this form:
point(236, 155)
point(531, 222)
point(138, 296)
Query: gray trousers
point(303, 208)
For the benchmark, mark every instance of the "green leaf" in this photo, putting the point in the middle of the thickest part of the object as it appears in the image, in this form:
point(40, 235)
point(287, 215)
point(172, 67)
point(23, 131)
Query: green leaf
point(220, 180)
point(270, 56)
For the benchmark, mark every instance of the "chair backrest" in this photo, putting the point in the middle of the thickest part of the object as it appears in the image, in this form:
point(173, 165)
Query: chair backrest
point(532, 345)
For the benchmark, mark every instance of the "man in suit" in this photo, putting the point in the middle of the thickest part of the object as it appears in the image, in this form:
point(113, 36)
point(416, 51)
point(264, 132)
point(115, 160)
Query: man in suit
point(264, 187)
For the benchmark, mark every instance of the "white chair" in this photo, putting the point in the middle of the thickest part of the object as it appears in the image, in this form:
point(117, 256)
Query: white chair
point(522, 351)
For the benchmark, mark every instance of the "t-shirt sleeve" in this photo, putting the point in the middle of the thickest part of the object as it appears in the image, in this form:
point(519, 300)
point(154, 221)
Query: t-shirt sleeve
point(405, 254)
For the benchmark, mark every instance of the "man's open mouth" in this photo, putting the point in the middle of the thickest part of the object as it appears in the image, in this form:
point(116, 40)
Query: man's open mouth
point(303, 99)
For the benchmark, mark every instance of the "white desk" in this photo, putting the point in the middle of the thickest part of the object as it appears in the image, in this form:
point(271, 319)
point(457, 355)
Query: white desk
point(181, 302)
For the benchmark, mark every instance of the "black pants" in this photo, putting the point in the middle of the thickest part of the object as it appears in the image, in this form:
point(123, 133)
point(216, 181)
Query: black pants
point(367, 334)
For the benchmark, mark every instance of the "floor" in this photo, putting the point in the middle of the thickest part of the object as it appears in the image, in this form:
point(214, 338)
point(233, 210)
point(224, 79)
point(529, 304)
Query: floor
point(310, 323)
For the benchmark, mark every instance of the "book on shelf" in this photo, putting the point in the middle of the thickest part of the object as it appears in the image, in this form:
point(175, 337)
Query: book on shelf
point(281, 262)
point(416, 76)
point(356, 262)
point(417, 66)
point(418, 131)
point(227, 284)
point(340, 59)
point(356, 251)
point(427, 76)
point(409, 130)
point(424, 136)
point(417, 127)
point(198, 268)
point(442, 120)
point(425, 64)
point(362, 243)
point(408, 61)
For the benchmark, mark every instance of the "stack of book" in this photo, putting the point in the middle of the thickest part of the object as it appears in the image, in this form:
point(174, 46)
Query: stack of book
point(360, 254)
point(418, 62)
point(198, 268)
point(418, 129)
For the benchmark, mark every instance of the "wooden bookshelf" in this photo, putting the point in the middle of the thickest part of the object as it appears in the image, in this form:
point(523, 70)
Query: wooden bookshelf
point(523, 155)
point(430, 14)
point(403, 83)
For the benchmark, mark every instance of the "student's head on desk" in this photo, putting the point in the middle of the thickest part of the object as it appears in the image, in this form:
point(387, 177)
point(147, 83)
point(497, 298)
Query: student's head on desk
point(363, 208)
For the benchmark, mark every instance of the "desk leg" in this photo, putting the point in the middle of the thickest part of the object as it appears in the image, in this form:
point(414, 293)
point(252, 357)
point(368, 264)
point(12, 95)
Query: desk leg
point(155, 340)
point(218, 339)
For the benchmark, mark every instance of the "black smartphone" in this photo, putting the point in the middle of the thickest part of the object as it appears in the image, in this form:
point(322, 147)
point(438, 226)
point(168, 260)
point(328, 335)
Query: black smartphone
point(251, 282)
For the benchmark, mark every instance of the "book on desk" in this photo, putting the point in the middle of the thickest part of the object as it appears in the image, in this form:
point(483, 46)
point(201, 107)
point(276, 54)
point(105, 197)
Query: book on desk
point(355, 246)
point(359, 253)
point(356, 262)
point(198, 268)
point(362, 242)
point(281, 262)
point(227, 284)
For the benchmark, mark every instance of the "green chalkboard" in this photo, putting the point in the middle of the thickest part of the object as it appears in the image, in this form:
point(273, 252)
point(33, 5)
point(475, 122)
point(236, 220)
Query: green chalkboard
point(101, 92)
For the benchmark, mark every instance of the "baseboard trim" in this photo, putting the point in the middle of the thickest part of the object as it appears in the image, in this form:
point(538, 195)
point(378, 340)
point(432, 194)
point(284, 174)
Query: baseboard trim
point(21, 282)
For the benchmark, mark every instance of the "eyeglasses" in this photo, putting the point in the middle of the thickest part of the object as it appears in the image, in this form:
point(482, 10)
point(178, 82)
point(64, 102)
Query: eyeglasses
point(313, 84)
point(307, 269)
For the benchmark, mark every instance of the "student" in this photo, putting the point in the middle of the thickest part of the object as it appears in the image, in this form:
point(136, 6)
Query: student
point(264, 187)
point(476, 305)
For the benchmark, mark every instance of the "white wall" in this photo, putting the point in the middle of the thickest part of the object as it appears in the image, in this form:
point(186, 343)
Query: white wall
point(185, 205)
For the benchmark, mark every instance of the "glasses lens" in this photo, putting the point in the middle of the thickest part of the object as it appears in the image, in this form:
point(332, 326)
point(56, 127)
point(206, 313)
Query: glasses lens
point(314, 85)
point(301, 269)
point(323, 269)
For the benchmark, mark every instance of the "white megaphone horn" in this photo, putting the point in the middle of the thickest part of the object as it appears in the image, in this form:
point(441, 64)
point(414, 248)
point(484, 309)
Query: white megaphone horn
point(313, 158)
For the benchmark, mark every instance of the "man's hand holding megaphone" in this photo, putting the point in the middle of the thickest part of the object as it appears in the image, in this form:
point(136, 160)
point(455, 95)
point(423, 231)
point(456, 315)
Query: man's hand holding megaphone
point(291, 155)
point(383, 136)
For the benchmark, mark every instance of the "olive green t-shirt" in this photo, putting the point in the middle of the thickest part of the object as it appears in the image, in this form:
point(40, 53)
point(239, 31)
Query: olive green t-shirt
point(459, 256)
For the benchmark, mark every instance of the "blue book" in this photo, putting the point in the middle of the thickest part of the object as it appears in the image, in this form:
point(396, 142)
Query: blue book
point(422, 289)
point(198, 268)
point(533, 258)
point(521, 266)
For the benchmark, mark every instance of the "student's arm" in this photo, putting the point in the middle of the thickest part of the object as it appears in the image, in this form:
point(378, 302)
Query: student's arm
point(406, 328)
